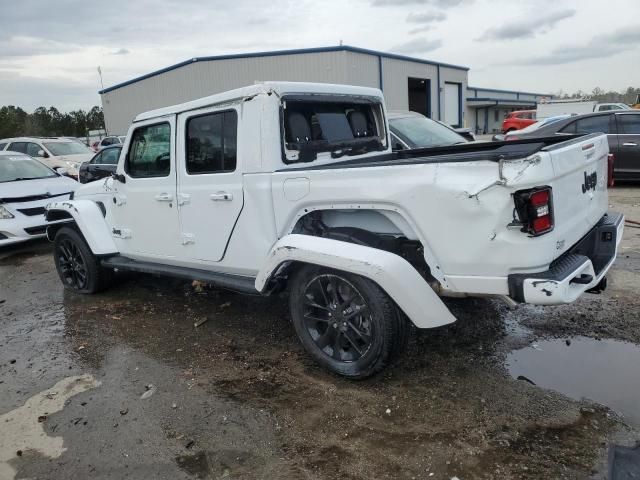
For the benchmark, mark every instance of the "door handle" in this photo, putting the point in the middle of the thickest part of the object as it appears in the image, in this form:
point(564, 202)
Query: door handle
point(221, 196)
point(629, 144)
point(164, 197)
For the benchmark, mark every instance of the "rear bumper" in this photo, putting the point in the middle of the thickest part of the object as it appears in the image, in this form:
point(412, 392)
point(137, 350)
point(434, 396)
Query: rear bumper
point(579, 269)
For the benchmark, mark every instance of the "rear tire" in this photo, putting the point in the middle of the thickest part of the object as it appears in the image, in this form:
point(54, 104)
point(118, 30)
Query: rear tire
point(78, 268)
point(346, 322)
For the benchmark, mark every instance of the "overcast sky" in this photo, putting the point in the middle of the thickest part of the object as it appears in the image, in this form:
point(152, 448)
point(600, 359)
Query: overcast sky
point(49, 54)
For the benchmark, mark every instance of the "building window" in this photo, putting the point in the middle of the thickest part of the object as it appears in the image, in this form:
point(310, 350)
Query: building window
point(150, 151)
point(211, 143)
point(496, 115)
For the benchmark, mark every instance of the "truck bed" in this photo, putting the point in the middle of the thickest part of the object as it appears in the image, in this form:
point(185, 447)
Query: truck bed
point(467, 152)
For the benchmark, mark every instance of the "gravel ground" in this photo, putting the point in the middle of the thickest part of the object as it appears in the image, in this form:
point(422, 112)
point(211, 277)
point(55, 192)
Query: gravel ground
point(123, 385)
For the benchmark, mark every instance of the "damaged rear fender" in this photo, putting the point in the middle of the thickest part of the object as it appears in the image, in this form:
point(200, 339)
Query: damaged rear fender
point(392, 273)
point(89, 219)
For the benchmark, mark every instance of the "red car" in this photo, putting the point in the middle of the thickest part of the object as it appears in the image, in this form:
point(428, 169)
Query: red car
point(518, 120)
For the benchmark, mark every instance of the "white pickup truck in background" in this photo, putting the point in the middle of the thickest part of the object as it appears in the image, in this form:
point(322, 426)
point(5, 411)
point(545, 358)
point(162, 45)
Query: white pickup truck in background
point(554, 108)
point(294, 186)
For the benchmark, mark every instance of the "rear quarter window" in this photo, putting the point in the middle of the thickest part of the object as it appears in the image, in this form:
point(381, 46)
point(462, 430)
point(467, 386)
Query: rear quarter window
point(333, 128)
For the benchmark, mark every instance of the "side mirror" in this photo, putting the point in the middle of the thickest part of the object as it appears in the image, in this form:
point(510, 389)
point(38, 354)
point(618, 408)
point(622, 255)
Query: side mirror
point(118, 177)
point(62, 171)
point(42, 154)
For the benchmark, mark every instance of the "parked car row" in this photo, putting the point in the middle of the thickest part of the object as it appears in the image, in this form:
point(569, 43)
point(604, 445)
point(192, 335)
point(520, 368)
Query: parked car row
point(26, 187)
point(622, 128)
point(519, 119)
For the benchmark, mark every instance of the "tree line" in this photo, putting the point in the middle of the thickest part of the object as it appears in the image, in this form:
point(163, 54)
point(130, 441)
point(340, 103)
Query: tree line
point(627, 96)
point(49, 122)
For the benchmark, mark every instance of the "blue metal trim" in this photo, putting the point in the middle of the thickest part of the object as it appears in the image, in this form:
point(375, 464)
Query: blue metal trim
point(439, 96)
point(503, 100)
point(277, 53)
point(380, 77)
point(495, 90)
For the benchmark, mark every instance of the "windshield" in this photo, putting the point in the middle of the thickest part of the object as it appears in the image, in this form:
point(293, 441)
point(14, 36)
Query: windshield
point(21, 167)
point(66, 148)
point(418, 131)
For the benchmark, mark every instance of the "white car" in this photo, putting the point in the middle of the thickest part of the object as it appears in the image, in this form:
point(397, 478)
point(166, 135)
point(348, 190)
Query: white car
point(107, 142)
point(294, 187)
point(57, 153)
point(26, 187)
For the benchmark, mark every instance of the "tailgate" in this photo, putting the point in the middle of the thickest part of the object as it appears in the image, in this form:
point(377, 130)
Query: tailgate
point(580, 196)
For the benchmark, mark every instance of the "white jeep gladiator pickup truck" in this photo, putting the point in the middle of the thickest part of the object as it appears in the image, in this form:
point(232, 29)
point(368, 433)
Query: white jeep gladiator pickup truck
point(294, 185)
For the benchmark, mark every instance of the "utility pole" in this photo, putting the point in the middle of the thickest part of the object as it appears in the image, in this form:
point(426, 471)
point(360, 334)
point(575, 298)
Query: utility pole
point(100, 73)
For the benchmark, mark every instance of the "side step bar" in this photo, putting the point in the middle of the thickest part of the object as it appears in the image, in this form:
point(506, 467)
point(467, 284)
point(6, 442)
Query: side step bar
point(223, 280)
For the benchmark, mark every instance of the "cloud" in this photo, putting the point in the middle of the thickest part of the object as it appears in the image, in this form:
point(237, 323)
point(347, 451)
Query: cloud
point(429, 17)
point(433, 3)
point(423, 29)
point(25, 46)
point(419, 45)
point(121, 51)
point(600, 46)
point(528, 28)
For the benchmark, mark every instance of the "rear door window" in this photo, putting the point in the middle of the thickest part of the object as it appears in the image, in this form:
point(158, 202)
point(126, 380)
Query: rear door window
point(110, 156)
point(18, 147)
point(597, 124)
point(212, 143)
point(593, 124)
point(97, 160)
point(629, 124)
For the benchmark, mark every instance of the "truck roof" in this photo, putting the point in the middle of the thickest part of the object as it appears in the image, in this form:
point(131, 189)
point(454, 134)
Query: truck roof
point(279, 88)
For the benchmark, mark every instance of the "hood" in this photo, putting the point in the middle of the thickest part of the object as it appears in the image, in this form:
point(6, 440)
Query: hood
point(79, 158)
point(43, 188)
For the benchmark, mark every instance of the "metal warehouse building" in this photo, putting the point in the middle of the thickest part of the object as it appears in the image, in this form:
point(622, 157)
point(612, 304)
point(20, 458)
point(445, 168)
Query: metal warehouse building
point(487, 107)
point(431, 88)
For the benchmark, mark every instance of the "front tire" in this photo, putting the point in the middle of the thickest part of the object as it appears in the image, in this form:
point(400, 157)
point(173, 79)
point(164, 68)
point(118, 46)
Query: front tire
point(346, 322)
point(78, 268)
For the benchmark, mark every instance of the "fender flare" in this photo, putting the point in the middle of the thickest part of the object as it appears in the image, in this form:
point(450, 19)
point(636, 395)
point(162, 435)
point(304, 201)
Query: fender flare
point(392, 273)
point(89, 219)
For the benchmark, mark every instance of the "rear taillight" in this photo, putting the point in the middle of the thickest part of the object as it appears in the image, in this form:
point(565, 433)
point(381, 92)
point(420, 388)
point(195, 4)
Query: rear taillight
point(534, 208)
point(610, 161)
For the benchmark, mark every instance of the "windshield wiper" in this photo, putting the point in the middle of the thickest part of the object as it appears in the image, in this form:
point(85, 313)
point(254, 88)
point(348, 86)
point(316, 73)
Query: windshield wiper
point(19, 179)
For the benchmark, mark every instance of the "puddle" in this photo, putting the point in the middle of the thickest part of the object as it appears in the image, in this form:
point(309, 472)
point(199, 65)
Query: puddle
point(605, 371)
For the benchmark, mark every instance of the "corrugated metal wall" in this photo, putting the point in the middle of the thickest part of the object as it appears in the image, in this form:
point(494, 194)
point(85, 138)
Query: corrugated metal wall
point(200, 79)
point(204, 78)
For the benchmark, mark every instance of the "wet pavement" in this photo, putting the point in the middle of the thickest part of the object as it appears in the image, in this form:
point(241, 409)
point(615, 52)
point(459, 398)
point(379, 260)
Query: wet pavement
point(606, 371)
point(123, 385)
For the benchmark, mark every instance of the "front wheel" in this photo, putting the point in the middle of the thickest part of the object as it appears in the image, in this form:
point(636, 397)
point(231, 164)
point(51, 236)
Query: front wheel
point(78, 268)
point(345, 321)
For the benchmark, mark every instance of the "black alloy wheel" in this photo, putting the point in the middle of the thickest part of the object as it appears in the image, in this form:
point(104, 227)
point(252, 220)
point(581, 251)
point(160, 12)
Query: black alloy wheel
point(337, 317)
point(73, 268)
point(346, 322)
point(78, 268)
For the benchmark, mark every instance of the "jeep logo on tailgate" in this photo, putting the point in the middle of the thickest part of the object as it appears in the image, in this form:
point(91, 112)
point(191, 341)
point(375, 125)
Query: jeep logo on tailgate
point(590, 182)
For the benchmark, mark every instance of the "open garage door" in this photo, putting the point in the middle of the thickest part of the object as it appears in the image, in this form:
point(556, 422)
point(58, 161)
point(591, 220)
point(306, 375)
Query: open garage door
point(452, 104)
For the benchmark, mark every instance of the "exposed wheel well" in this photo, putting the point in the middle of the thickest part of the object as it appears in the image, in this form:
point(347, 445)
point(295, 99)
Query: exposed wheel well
point(384, 231)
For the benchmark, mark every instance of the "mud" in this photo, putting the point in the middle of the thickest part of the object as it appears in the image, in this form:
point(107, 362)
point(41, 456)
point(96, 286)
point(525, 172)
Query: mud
point(237, 397)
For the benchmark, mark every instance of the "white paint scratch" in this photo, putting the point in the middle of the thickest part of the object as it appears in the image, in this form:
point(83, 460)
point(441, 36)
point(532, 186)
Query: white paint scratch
point(20, 429)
